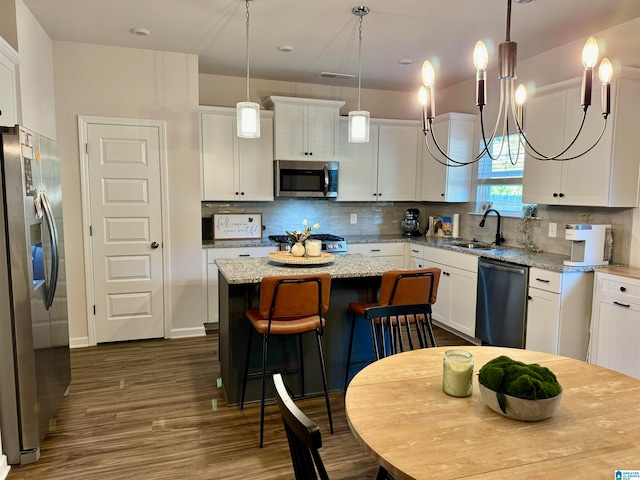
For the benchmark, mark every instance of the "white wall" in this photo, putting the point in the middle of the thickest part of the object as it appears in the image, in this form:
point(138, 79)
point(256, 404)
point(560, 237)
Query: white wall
point(133, 83)
point(35, 74)
point(4, 467)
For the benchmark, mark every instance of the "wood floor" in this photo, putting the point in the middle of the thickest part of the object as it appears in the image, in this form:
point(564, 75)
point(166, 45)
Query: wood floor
point(151, 410)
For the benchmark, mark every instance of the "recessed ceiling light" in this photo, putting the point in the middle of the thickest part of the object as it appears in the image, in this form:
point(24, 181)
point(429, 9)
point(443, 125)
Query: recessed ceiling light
point(285, 48)
point(140, 32)
point(405, 61)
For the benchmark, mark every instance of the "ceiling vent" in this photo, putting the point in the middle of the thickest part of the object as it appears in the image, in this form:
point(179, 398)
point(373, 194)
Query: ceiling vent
point(337, 76)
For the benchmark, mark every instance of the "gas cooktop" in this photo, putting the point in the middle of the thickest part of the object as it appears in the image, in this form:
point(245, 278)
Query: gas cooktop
point(330, 243)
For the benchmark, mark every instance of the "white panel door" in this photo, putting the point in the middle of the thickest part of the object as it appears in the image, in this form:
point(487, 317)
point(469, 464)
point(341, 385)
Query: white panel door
point(126, 216)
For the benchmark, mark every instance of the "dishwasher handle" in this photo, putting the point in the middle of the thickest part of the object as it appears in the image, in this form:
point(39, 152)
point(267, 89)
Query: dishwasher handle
point(502, 266)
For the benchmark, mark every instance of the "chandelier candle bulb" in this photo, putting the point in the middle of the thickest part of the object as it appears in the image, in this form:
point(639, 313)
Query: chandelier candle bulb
point(457, 373)
point(605, 73)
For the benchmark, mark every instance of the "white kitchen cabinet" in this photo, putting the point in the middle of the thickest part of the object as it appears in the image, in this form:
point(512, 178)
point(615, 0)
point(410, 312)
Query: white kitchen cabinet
point(305, 129)
point(209, 256)
point(615, 321)
point(383, 169)
point(608, 174)
point(558, 312)
point(391, 252)
point(454, 133)
point(455, 307)
point(8, 61)
point(416, 256)
point(238, 169)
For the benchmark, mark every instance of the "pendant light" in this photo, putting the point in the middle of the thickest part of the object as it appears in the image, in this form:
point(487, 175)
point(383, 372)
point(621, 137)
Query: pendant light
point(248, 113)
point(359, 119)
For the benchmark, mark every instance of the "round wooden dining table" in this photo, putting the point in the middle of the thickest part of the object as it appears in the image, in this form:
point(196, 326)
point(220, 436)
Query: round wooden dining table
point(397, 410)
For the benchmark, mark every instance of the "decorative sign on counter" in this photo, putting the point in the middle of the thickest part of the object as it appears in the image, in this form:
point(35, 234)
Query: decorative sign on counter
point(237, 226)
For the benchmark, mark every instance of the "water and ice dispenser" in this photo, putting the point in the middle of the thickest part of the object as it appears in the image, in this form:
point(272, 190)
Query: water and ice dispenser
point(590, 244)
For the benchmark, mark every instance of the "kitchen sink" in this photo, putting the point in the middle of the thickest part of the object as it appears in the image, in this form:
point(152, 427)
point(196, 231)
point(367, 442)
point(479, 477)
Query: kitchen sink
point(473, 244)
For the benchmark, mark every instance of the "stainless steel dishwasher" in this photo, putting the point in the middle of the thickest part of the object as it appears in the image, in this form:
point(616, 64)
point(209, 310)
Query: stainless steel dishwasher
point(501, 311)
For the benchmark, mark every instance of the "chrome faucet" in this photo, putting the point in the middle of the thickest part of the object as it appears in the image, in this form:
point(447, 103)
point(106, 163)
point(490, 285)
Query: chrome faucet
point(499, 237)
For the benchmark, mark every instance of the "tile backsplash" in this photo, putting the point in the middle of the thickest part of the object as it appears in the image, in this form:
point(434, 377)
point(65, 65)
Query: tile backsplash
point(381, 218)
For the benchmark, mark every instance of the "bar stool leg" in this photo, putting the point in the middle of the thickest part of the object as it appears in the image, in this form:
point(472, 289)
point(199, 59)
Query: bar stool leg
point(265, 346)
point(353, 327)
point(246, 369)
point(300, 352)
point(324, 379)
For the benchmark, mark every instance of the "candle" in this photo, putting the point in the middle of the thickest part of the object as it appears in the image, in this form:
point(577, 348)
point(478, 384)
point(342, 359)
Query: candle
point(457, 373)
point(313, 248)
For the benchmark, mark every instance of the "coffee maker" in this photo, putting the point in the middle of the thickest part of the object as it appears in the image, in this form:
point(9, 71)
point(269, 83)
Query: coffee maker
point(590, 244)
point(410, 224)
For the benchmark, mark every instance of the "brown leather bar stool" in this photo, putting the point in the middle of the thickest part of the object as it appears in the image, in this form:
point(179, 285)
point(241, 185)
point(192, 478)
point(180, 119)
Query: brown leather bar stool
point(289, 305)
point(405, 299)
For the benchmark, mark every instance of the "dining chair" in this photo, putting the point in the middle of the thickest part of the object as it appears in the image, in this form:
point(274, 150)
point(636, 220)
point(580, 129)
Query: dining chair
point(289, 305)
point(405, 300)
point(304, 438)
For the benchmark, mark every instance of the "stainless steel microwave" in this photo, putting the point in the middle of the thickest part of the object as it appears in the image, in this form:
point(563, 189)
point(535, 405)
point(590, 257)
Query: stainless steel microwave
point(305, 179)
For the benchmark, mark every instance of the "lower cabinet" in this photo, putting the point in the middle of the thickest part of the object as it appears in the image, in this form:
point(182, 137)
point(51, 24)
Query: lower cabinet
point(455, 307)
point(615, 322)
point(210, 280)
point(391, 252)
point(558, 312)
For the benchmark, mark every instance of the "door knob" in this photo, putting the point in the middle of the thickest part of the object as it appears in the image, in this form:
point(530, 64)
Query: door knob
point(154, 245)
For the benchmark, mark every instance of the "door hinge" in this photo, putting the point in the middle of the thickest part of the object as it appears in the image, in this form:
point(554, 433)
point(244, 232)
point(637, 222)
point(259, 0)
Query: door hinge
point(94, 309)
point(91, 230)
point(86, 148)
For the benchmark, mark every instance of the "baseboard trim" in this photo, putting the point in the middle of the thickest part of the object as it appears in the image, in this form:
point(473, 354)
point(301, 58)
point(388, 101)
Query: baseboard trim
point(4, 467)
point(188, 332)
point(79, 342)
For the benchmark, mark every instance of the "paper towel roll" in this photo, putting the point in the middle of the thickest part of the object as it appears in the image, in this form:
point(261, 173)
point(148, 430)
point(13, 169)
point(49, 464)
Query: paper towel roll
point(456, 226)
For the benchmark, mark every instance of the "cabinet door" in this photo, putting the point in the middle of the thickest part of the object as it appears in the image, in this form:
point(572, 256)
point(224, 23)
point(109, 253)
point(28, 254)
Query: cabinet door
point(585, 180)
point(255, 158)
point(463, 300)
point(416, 263)
point(397, 162)
point(543, 319)
point(441, 310)
point(544, 127)
point(321, 128)
point(212, 292)
point(358, 167)
point(7, 93)
point(440, 183)
point(220, 174)
point(290, 135)
point(616, 338)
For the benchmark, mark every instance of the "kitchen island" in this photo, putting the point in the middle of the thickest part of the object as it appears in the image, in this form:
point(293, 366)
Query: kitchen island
point(354, 278)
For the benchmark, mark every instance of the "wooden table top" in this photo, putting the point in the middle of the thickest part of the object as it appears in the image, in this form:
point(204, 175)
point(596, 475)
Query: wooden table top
point(399, 413)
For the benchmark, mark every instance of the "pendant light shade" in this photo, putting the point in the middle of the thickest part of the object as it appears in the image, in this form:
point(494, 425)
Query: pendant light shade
point(358, 126)
point(359, 119)
point(248, 112)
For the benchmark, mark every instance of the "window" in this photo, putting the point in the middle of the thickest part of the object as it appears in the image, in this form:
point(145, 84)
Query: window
point(500, 181)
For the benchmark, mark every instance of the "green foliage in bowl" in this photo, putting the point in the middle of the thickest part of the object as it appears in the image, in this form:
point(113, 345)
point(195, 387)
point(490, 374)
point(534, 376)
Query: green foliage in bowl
point(517, 379)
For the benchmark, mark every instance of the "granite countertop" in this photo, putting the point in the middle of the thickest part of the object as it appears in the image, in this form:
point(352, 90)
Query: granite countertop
point(546, 261)
point(253, 269)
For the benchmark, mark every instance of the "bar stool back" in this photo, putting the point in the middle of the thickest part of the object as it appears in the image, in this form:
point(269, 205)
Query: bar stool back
point(289, 305)
point(405, 299)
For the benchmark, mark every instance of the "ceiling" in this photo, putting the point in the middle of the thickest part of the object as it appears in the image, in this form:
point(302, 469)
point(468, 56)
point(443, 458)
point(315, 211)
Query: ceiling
point(324, 33)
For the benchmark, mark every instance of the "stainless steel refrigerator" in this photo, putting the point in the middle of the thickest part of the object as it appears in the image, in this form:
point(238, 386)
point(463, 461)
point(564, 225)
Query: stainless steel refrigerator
point(34, 333)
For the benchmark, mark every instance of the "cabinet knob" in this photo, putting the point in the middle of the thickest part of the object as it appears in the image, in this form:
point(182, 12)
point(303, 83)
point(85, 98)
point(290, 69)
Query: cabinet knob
point(442, 194)
point(555, 195)
point(623, 289)
point(529, 297)
point(310, 153)
point(561, 195)
point(241, 193)
point(237, 193)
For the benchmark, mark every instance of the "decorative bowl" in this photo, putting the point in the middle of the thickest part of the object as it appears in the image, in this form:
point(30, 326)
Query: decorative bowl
point(521, 408)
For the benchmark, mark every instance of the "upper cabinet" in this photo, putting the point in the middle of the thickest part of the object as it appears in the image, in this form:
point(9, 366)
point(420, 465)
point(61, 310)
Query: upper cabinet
point(235, 168)
point(608, 174)
point(454, 133)
point(382, 169)
point(304, 128)
point(8, 61)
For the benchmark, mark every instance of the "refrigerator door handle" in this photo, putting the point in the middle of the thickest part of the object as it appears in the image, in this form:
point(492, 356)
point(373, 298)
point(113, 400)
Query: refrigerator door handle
point(53, 232)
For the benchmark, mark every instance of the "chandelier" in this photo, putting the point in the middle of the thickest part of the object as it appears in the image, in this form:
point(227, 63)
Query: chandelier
point(512, 100)
point(248, 112)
